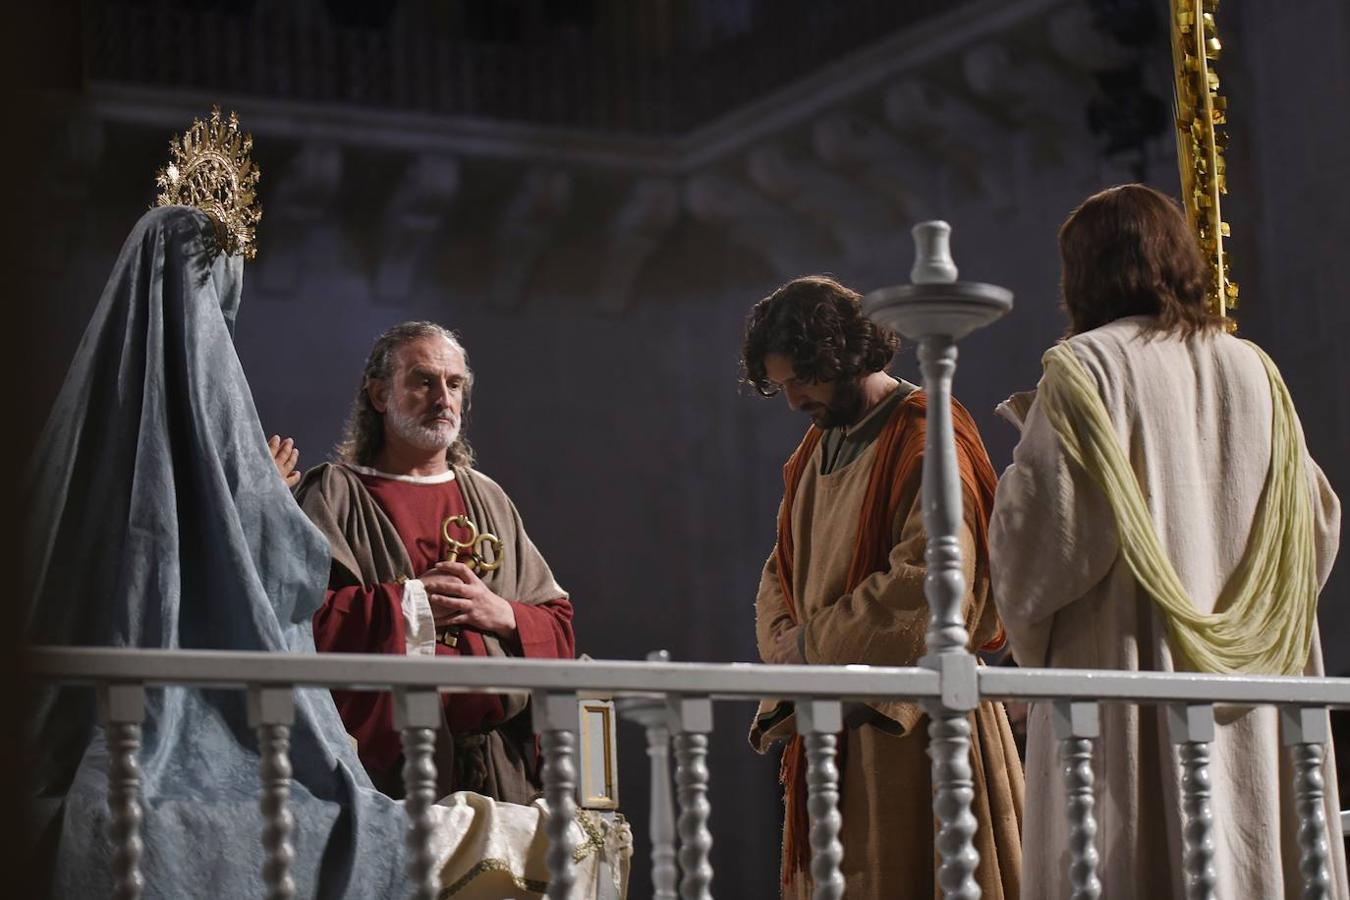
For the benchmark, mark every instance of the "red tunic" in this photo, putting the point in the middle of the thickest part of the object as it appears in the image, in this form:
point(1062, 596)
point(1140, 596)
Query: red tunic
point(369, 619)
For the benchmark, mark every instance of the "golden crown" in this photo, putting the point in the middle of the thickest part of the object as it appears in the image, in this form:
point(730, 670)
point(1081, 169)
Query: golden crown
point(210, 169)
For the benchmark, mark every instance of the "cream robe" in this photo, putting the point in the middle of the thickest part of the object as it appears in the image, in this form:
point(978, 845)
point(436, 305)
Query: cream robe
point(1195, 421)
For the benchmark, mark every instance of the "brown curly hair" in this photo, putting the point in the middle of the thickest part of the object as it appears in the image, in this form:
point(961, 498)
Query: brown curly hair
point(1129, 251)
point(817, 323)
point(364, 434)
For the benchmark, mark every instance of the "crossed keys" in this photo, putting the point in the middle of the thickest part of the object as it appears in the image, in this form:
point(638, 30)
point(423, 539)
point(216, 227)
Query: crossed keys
point(478, 562)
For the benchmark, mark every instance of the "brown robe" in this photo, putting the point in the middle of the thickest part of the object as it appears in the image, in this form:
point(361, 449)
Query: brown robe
point(881, 619)
point(367, 550)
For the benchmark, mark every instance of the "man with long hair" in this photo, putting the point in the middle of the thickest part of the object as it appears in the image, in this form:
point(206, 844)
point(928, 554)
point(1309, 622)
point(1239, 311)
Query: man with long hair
point(1162, 514)
point(844, 585)
point(430, 557)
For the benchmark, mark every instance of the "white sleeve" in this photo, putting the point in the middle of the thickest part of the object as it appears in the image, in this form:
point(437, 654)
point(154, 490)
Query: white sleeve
point(1052, 537)
point(419, 626)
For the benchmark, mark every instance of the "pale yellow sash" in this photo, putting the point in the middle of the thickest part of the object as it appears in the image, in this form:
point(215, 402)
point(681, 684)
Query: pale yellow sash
point(1263, 620)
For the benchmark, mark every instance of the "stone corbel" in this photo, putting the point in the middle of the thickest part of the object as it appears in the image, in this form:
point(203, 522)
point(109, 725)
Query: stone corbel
point(411, 221)
point(648, 212)
point(857, 219)
point(787, 243)
point(877, 159)
point(1030, 92)
point(1074, 38)
point(961, 136)
point(529, 223)
point(296, 210)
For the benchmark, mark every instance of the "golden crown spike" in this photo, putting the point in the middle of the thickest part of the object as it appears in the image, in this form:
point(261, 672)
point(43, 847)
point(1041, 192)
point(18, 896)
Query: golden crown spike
point(210, 168)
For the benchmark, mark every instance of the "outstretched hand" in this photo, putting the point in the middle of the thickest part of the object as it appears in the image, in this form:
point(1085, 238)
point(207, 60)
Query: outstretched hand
point(459, 597)
point(285, 456)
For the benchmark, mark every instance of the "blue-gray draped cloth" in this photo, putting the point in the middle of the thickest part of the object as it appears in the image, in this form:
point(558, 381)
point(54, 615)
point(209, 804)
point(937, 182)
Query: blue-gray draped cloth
point(156, 518)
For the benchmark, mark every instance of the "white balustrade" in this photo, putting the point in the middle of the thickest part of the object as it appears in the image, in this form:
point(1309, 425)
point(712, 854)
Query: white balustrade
point(271, 711)
point(690, 722)
point(417, 714)
point(652, 715)
point(1077, 726)
point(1305, 732)
point(1192, 727)
point(122, 708)
point(819, 722)
point(680, 697)
point(557, 720)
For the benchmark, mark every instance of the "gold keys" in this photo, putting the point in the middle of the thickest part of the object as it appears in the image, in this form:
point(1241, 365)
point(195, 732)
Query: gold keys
point(474, 548)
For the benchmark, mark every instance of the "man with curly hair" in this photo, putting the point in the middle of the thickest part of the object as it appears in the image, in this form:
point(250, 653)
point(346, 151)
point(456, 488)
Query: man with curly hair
point(844, 585)
point(430, 557)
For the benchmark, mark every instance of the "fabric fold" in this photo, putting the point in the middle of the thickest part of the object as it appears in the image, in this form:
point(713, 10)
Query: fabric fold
point(1263, 622)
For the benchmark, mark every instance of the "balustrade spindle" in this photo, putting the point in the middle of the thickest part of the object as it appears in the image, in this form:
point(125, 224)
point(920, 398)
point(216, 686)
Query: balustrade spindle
point(819, 722)
point(271, 711)
point(652, 715)
point(1306, 731)
point(691, 721)
point(558, 720)
point(937, 310)
point(1192, 727)
point(665, 872)
point(953, 796)
point(122, 708)
point(417, 714)
point(945, 587)
point(1077, 725)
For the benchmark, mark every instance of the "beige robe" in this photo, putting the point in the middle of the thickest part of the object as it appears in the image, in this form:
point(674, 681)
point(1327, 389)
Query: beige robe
point(886, 801)
point(1195, 421)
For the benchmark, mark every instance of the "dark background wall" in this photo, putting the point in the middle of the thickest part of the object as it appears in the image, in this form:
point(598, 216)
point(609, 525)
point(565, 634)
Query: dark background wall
point(648, 477)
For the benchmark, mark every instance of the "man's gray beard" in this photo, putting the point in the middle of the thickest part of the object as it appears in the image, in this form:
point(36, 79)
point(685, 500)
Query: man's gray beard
point(421, 436)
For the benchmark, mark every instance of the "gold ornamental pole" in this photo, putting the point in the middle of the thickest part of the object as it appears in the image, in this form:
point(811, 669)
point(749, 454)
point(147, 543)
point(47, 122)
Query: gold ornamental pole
point(1200, 110)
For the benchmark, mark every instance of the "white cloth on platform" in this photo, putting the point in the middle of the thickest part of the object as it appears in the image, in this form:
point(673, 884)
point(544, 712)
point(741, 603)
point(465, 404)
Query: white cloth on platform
point(486, 850)
point(1194, 420)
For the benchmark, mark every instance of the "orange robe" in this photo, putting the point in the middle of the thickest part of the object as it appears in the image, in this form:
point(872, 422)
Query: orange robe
point(848, 567)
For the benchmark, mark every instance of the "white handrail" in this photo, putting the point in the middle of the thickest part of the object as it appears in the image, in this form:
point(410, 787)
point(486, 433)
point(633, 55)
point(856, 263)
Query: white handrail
point(723, 681)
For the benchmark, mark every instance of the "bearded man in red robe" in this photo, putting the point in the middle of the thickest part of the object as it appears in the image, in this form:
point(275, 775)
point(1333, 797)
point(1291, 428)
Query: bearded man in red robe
point(430, 557)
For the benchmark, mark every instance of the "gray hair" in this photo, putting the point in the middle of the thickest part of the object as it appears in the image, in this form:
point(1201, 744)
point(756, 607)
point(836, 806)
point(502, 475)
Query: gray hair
point(364, 434)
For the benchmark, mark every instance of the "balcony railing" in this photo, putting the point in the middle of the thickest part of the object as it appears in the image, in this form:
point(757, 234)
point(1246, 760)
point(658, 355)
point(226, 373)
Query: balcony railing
point(688, 691)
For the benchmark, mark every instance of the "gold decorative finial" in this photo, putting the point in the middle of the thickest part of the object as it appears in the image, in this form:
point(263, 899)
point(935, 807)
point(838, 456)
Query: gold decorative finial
point(211, 169)
point(1200, 142)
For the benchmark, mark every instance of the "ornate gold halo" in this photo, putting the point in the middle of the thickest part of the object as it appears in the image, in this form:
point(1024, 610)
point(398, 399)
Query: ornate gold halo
point(210, 169)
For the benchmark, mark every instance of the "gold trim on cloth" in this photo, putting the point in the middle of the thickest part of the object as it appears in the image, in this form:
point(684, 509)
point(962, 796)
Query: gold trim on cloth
point(493, 865)
point(595, 842)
